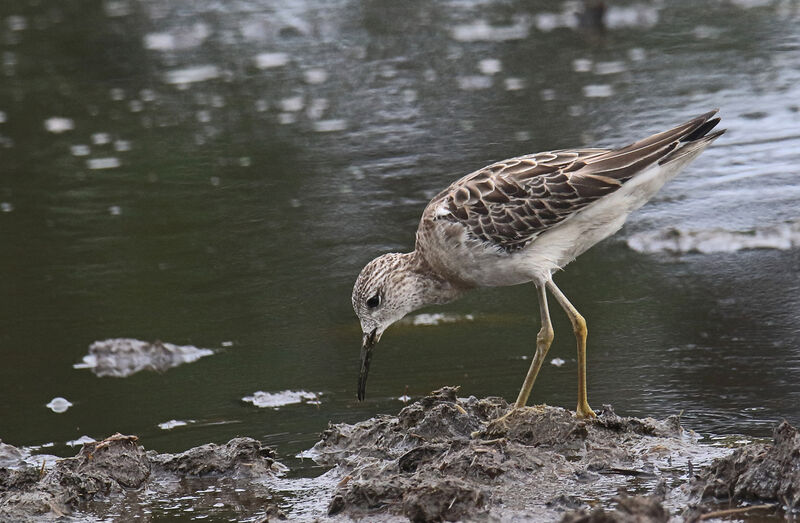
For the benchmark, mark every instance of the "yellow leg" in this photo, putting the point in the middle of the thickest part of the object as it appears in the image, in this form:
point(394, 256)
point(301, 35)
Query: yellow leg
point(579, 326)
point(543, 341)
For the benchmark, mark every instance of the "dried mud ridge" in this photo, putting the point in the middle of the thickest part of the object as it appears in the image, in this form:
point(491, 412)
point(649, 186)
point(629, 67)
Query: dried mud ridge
point(441, 458)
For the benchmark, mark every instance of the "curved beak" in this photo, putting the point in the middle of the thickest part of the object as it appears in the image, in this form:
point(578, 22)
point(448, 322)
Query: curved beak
point(367, 344)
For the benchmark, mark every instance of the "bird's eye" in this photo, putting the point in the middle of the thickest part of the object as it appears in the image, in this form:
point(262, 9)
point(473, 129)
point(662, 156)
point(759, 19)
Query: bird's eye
point(374, 301)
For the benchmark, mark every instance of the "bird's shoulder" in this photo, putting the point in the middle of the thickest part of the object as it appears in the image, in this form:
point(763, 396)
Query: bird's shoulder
point(510, 202)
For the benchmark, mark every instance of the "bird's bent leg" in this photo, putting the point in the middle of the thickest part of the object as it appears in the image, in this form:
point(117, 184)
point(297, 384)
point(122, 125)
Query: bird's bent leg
point(543, 341)
point(579, 326)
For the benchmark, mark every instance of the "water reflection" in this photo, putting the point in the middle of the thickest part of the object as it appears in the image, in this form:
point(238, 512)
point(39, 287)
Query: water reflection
point(205, 175)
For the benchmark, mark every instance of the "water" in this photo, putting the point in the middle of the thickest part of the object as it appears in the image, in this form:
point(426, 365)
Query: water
point(216, 175)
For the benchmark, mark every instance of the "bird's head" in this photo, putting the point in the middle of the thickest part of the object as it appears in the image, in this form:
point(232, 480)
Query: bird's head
point(388, 288)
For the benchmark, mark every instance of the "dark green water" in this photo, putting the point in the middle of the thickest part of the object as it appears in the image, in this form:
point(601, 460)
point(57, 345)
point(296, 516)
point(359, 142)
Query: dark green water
point(201, 198)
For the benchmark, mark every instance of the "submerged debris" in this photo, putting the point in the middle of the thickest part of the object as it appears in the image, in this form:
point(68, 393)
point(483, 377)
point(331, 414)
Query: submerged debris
point(444, 457)
point(121, 357)
point(118, 467)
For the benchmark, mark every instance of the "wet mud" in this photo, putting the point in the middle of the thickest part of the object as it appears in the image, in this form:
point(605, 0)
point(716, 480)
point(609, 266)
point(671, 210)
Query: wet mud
point(118, 469)
point(759, 473)
point(446, 458)
point(442, 458)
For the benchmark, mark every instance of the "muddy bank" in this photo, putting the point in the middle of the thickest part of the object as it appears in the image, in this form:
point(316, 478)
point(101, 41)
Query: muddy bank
point(445, 458)
point(442, 458)
point(118, 476)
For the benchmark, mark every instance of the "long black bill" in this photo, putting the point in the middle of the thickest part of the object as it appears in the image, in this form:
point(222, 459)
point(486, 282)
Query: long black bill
point(367, 345)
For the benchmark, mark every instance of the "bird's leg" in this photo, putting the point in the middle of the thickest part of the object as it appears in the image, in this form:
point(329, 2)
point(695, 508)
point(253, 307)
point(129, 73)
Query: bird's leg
point(579, 326)
point(543, 341)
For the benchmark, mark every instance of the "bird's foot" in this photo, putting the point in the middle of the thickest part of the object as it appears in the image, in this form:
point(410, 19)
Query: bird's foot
point(498, 427)
point(584, 411)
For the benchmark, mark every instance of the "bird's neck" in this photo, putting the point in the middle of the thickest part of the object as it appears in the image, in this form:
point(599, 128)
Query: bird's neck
point(432, 287)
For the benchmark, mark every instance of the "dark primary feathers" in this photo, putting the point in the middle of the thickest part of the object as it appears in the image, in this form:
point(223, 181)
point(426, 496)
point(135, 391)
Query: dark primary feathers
point(509, 203)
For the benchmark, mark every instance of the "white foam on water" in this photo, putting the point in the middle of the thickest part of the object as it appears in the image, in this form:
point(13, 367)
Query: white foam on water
point(615, 67)
point(582, 65)
point(317, 108)
point(706, 32)
point(548, 94)
point(557, 362)
point(640, 16)
point(6, 207)
point(287, 118)
point(188, 75)
point(275, 400)
point(3, 117)
point(101, 138)
point(437, 318)
point(481, 30)
point(80, 441)
point(474, 82)
point(59, 405)
point(270, 60)
point(315, 76)
point(546, 22)
point(159, 41)
point(490, 66)
point(782, 236)
point(514, 84)
point(16, 23)
point(597, 91)
point(117, 8)
point(292, 104)
point(122, 145)
point(103, 163)
point(121, 357)
point(117, 94)
point(174, 423)
point(58, 124)
point(329, 126)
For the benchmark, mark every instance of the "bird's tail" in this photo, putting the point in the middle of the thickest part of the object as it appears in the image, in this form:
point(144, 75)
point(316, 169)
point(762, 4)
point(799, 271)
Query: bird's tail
point(698, 136)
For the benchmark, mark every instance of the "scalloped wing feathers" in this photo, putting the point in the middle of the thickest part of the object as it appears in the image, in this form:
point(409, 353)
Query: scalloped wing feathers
point(509, 203)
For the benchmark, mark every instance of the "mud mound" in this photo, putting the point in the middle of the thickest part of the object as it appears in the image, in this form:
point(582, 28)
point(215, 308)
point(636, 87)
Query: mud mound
point(446, 458)
point(758, 472)
point(117, 466)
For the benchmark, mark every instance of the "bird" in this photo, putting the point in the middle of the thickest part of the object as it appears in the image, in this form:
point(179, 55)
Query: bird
point(519, 221)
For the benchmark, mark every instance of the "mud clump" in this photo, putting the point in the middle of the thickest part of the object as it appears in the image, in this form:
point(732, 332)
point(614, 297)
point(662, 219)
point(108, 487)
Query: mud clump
point(240, 456)
point(446, 458)
point(757, 472)
point(118, 466)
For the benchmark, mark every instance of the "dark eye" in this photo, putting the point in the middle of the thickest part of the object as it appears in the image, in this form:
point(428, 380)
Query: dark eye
point(374, 301)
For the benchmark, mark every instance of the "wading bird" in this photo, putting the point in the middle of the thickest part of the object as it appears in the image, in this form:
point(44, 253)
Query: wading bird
point(519, 221)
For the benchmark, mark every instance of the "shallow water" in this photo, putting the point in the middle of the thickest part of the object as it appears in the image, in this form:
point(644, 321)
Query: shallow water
point(217, 174)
